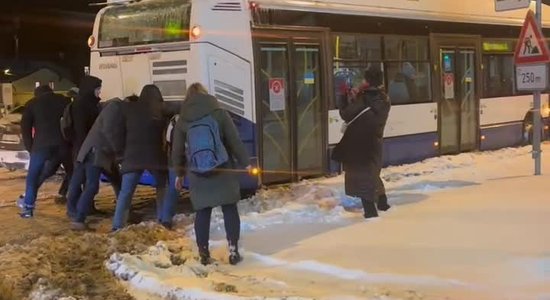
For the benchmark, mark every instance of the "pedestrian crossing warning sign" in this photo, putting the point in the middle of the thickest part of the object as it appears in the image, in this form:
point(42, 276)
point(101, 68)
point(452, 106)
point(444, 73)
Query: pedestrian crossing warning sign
point(531, 47)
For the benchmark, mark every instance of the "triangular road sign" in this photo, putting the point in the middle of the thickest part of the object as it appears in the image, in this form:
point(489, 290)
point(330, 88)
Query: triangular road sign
point(531, 47)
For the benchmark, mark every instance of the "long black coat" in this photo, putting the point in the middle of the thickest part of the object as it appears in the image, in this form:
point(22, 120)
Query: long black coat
point(360, 149)
point(43, 114)
point(85, 110)
point(143, 136)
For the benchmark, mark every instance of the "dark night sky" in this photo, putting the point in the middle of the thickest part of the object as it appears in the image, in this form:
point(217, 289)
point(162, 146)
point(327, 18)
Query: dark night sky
point(54, 31)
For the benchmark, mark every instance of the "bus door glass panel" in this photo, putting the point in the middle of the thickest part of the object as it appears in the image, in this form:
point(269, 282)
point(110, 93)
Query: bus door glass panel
point(309, 109)
point(468, 104)
point(449, 118)
point(276, 153)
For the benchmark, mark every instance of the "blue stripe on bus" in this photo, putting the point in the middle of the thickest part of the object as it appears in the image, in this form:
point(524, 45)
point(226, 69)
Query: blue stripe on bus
point(506, 135)
point(409, 148)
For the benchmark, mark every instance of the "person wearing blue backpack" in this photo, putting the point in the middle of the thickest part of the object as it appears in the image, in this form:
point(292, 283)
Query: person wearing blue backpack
point(208, 150)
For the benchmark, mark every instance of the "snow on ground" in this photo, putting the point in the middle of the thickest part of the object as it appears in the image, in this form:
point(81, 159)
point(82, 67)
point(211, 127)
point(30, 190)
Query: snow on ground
point(461, 226)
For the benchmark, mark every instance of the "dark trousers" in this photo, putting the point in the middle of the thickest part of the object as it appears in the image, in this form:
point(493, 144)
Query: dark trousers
point(232, 224)
point(87, 173)
point(51, 166)
point(84, 187)
point(37, 165)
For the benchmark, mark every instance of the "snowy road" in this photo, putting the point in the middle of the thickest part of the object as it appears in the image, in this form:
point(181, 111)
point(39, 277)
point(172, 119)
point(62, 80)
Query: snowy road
point(473, 226)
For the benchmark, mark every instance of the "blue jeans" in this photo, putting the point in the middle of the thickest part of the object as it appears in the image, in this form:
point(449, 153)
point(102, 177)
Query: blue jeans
point(88, 175)
point(170, 199)
point(36, 167)
point(79, 203)
point(124, 201)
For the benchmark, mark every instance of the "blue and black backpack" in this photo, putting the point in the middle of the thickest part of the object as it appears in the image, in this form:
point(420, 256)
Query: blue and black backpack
point(205, 149)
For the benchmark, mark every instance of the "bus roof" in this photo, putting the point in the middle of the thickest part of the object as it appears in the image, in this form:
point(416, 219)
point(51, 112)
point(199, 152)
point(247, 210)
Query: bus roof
point(464, 11)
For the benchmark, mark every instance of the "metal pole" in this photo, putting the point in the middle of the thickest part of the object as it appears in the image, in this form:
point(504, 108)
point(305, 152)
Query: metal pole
point(536, 110)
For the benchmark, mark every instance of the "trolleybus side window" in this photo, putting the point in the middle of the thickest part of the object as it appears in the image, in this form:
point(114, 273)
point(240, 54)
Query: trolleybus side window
point(145, 23)
point(407, 69)
point(498, 68)
point(352, 55)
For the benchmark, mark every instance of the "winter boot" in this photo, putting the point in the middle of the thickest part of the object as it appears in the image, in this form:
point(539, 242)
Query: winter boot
point(204, 256)
point(383, 203)
point(26, 213)
point(234, 255)
point(79, 226)
point(370, 209)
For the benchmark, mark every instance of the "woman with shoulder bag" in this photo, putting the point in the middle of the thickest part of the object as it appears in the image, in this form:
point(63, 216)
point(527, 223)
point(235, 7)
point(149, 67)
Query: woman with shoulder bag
point(360, 150)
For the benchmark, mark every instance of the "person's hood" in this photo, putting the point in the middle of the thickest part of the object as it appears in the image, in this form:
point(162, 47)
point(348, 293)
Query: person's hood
point(88, 86)
point(198, 106)
point(151, 98)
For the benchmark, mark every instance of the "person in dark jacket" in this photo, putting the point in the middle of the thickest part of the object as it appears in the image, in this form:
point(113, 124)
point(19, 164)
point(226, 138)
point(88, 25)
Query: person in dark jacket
point(41, 114)
point(85, 110)
point(97, 155)
point(144, 125)
point(51, 166)
point(360, 149)
point(220, 188)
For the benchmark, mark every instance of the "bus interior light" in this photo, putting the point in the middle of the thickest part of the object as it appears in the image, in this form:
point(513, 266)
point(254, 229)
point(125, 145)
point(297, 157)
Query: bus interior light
point(253, 5)
point(196, 32)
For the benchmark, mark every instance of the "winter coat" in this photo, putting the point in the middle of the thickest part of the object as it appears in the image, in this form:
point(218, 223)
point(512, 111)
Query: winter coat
point(221, 187)
point(143, 147)
point(104, 136)
point(43, 114)
point(360, 149)
point(84, 110)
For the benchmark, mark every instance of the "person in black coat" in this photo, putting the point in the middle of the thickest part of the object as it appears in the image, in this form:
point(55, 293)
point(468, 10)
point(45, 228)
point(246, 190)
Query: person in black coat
point(360, 149)
point(144, 125)
point(51, 166)
point(46, 144)
point(85, 110)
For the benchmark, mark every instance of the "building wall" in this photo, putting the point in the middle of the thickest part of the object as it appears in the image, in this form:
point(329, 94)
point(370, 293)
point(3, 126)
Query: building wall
point(23, 89)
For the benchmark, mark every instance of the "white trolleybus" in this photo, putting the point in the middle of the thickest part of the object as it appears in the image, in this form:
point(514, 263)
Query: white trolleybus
point(279, 67)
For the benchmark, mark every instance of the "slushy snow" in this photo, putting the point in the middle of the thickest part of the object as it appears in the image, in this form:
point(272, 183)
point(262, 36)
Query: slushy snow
point(278, 220)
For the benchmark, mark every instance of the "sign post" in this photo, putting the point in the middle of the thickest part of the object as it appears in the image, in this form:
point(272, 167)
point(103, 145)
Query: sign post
point(536, 106)
point(531, 58)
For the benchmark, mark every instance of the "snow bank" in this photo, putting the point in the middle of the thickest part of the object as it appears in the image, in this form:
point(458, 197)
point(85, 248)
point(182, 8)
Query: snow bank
point(319, 201)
